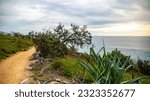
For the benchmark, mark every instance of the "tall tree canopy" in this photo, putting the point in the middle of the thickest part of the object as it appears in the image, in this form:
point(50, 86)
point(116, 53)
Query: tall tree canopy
point(75, 36)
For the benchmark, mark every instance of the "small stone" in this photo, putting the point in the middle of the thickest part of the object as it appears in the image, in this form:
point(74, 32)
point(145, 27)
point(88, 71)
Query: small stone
point(55, 82)
point(29, 68)
point(28, 81)
point(25, 81)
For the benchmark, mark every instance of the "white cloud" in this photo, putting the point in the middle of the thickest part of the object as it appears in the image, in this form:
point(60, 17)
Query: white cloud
point(109, 16)
point(28, 13)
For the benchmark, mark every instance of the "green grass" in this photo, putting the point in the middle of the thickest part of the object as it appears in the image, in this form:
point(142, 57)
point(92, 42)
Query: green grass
point(12, 44)
point(71, 68)
point(128, 76)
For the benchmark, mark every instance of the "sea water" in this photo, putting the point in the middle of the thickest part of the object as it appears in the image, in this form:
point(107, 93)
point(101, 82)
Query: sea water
point(135, 46)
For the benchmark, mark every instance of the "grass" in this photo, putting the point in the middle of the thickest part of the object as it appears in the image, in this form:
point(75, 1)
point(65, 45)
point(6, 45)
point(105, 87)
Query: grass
point(67, 68)
point(109, 68)
point(128, 76)
point(70, 68)
point(12, 44)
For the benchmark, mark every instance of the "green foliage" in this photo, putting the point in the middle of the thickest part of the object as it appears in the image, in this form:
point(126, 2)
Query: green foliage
point(70, 68)
point(143, 66)
point(56, 65)
point(10, 44)
point(49, 46)
point(107, 68)
point(135, 80)
point(75, 36)
point(121, 57)
point(53, 43)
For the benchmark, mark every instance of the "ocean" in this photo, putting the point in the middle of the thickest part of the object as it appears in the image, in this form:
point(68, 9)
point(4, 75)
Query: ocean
point(135, 46)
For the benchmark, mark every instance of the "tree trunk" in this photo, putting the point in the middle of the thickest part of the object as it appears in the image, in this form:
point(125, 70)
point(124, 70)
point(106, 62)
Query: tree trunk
point(67, 38)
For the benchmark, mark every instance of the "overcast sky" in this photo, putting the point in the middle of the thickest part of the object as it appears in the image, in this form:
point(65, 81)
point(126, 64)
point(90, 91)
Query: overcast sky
point(103, 17)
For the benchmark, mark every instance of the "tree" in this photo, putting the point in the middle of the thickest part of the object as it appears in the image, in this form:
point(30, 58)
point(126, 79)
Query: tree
point(75, 36)
point(31, 34)
point(54, 42)
point(48, 46)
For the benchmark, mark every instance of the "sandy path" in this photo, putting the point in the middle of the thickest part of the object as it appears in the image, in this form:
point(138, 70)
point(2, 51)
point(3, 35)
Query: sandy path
point(12, 69)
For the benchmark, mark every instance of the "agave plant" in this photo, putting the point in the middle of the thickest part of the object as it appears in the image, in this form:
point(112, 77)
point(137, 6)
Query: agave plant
point(107, 68)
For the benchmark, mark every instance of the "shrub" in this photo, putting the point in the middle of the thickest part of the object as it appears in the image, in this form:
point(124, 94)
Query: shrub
point(49, 46)
point(10, 44)
point(69, 67)
point(107, 68)
point(121, 57)
point(56, 65)
point(143, 66)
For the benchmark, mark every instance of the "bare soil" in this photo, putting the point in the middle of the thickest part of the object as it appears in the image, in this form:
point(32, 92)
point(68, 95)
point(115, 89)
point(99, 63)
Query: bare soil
point(13, 69)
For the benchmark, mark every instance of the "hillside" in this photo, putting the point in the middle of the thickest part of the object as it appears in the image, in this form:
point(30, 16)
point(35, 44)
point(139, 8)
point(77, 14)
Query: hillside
point(10, 44)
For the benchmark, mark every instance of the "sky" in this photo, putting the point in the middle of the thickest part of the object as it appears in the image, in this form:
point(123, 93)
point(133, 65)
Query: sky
point(102, 17)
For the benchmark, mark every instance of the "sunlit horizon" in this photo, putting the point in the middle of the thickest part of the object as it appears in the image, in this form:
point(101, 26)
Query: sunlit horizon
point(127, 29)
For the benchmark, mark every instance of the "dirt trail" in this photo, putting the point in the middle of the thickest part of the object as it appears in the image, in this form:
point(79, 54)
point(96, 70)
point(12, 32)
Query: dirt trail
point(12, 69)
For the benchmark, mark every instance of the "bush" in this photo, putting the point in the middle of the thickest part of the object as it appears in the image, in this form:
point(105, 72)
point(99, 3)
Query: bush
point(121, 57)
point(10, 44)
point(69, 67)
point(49, 47)
point(107, 68)
point(56, 65)
point(143, 66)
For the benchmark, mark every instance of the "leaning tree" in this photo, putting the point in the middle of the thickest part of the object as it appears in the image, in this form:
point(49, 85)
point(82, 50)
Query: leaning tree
point(75, 36)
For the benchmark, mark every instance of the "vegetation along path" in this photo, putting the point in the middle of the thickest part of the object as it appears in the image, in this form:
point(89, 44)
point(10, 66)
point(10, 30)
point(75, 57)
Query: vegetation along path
point(13, 69)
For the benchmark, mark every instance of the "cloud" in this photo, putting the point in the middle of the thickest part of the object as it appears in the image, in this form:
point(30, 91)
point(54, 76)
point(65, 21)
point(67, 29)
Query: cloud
point(27, 15)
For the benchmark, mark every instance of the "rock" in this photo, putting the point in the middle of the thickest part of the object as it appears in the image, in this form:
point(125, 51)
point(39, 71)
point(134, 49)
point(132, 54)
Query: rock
point(35, 56)
point(25, 81)
point(49, 60)
point(56, 81)
point(38, 82)
point(29, 68)
point(29, 81)
point(38, 64)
